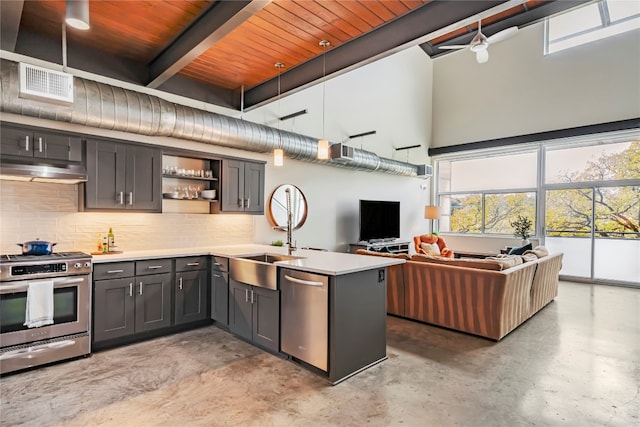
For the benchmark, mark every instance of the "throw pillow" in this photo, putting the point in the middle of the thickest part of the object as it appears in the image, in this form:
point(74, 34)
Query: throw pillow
point(529, 256)
point(520, 249)
point(430, 248)
point(539, 251)
point(507, 261)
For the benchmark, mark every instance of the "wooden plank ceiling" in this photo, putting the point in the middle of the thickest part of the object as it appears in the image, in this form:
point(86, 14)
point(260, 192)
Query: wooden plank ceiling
point(145, 33)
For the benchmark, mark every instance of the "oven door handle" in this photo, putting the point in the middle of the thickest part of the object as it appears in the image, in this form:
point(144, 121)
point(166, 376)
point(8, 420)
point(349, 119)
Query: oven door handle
point(27, 353)
point(23, 286)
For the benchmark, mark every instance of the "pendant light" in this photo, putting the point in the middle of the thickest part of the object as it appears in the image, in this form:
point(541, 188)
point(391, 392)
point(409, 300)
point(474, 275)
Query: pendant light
point(278, 153)
point(323, 144)
point(77, 14)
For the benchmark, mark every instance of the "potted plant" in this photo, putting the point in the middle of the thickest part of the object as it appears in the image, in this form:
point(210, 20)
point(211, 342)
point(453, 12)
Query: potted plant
point(522, 228)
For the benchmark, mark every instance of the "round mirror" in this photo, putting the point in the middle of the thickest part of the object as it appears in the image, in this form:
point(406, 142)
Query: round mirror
point(278, 207)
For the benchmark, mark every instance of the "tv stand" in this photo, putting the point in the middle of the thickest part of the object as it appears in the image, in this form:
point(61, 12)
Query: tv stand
point(393, 246)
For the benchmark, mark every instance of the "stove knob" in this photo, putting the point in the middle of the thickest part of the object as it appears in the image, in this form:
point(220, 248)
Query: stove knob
point(87, 265)
point(77, 265)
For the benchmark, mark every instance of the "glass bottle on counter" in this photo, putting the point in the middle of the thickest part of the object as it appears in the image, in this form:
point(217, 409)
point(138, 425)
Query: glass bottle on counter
point(111, 244)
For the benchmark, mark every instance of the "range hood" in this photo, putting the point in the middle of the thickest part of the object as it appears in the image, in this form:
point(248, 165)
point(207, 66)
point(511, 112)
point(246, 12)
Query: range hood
point(21, 170)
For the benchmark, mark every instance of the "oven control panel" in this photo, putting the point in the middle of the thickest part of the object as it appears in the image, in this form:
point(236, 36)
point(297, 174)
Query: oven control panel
point(27, 270)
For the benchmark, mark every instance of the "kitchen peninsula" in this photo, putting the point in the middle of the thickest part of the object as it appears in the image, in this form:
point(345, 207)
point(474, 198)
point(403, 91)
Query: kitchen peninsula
point(324, 310)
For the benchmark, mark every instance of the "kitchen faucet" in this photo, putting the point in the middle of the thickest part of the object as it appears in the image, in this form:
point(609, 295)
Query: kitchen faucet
point(290, 246)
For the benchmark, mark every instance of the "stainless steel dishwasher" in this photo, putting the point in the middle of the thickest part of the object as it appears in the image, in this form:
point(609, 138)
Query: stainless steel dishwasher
point(304, 331)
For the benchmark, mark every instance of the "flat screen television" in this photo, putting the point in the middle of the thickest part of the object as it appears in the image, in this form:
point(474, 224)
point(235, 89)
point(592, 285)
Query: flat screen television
point(379, 220)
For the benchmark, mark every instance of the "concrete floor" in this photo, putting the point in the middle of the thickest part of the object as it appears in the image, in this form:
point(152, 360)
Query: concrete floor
point(576, 363)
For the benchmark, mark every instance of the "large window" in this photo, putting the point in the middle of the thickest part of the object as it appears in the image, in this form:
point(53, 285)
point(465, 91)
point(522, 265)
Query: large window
point(582, 194)
point(483, 195)
point(591, 22)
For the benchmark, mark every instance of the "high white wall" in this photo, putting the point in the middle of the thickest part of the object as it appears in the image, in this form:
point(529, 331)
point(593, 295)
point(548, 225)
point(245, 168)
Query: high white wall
point(391, 96)
point(521, 91)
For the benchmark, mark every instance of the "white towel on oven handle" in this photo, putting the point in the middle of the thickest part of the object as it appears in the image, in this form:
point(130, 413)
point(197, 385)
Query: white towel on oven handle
point(39, 310)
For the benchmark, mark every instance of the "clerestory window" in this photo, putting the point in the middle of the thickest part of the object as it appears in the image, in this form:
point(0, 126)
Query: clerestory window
point(591, 22)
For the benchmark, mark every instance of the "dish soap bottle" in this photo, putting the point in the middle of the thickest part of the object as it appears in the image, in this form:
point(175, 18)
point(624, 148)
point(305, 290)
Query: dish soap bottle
point(111, 240)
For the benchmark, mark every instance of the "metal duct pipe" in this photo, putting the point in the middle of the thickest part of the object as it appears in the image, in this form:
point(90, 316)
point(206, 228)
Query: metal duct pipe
point(109, 107)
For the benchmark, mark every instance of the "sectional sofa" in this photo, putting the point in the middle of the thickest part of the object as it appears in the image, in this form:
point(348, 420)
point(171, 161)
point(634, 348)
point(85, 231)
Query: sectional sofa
point(486, 297)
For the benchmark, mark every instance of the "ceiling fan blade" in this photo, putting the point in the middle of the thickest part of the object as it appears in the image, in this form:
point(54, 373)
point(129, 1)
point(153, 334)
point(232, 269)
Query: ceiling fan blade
point(453, 46)
point(482, 56)
point(502, 35)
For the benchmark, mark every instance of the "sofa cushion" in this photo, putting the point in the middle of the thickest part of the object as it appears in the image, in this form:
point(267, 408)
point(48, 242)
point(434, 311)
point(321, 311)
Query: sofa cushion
point(538, 251)
point(481, 264)
point(430, 248)
point(383, 254)
point(528, 256)
point(507, 261)
point(520, 249)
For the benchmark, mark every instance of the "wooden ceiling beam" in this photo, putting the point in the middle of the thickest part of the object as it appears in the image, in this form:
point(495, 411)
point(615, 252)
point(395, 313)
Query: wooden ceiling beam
point(215, 23)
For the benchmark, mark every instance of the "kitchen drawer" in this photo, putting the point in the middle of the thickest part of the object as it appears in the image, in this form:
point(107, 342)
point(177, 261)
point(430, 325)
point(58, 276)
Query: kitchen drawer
point(220, 263)
point(153, 266)
point(191, 263)
point(113, 270)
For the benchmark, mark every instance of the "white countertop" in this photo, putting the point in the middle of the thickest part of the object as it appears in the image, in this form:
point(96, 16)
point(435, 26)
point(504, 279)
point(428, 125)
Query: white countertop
point(330, 263)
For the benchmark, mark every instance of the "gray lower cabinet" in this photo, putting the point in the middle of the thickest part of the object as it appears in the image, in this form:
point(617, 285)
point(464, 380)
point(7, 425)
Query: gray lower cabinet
point(242, 187)
point(123, 177)
point(191, 290)
point(128, 300)
point(254, 314)
point(220, 290)
point(26, 142)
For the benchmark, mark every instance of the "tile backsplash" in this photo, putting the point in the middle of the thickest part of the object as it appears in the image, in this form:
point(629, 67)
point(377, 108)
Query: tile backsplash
point(30, 210)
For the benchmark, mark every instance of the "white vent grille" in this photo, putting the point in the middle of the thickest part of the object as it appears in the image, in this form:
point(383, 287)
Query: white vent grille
point(341, 152)
point(45, 85)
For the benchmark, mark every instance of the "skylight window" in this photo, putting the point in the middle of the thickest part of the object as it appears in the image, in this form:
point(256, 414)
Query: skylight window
point(592, 22)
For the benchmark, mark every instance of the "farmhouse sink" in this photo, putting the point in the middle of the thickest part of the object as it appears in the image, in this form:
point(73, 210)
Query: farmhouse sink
point(269, 258)
point(257, 270)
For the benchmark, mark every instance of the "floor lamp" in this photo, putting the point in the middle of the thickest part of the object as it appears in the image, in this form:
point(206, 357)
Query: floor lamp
point(432, 212)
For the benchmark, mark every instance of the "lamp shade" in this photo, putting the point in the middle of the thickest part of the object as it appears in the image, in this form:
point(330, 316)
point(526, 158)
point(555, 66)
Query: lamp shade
point(278, 157)
point(431, 212)
point(77, 14)
point(323, 149)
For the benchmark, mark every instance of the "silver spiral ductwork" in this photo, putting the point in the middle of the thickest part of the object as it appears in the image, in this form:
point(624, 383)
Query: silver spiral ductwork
point(109, 107)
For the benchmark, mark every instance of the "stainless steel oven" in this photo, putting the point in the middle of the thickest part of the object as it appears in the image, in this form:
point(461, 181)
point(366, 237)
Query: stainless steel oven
point(68, 336)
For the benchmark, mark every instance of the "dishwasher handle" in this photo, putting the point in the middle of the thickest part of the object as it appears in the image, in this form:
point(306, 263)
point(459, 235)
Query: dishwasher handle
point(303, 282)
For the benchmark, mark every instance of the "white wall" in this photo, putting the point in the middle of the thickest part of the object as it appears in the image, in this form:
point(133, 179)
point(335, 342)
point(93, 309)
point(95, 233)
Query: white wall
point(521, 91)
point(391, 96)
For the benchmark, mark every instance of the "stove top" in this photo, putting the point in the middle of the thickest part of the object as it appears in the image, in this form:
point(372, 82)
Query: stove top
point(56, 256)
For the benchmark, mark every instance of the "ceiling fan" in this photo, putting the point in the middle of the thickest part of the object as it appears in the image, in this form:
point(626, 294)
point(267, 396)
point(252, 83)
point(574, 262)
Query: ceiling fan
point(480, 43)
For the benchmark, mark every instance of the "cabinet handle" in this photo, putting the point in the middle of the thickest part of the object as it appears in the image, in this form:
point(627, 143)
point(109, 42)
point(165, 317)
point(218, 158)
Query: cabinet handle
point(154, 267)
point(26, 143)
point(180, 285)
point(40, 144)
point(130, 198)
point(248, 203)
point(246, 295)
point(121, 198)
point(115, 271)
point(193, 264)
point(252, 296)
point(216, 275)
point(140, 288)
point(216, 263)
point(131, 289)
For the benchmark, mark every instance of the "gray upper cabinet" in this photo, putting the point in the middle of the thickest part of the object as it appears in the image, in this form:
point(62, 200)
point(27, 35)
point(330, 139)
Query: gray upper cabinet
point(38, 144)
point(123, 177)
point(242, 186)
